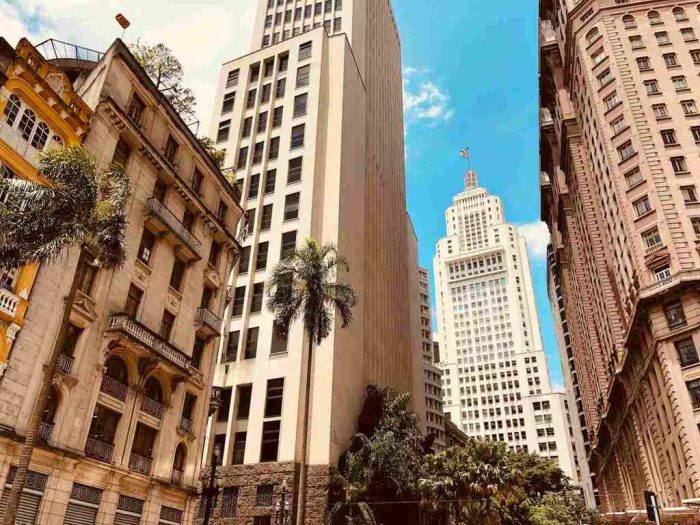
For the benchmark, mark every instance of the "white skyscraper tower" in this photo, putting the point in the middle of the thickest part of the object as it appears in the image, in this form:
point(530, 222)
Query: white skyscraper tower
point(495, 378)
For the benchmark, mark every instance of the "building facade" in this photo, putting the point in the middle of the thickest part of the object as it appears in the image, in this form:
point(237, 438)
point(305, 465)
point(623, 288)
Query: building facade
point(311, 121)
point(433, 419)
point(495, 378)
point(123, 434)
point(620, 171)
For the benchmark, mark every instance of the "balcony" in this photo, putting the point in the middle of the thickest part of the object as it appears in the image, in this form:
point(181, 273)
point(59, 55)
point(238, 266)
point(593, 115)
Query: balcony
point(176, 477)
point(142, 335)
point(151, 407)
point(16, 142)
point(186, 425)
point(96, 449)
point(140, 464)
point(163, 221)
point(208, 323)
point(45, 431)
point(64, 364)
point(114, 388)
point(676, 324)
point(9, 303)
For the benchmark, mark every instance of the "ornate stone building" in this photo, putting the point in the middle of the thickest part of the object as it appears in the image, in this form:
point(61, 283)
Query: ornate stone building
point(619, 122)
point(122, 438)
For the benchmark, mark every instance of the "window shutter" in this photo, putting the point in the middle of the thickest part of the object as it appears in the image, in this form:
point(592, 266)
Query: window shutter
point(79, 513)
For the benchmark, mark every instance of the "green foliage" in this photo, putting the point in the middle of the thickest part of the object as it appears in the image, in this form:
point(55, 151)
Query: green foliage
point(80, 206)
point(165, 70)
point(303, 284)
point(217, 155)
point(563, 508)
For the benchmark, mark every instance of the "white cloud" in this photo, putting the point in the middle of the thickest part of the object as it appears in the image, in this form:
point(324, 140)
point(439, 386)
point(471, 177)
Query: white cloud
point(537, 238)
point(203, 34)
point(424, 99)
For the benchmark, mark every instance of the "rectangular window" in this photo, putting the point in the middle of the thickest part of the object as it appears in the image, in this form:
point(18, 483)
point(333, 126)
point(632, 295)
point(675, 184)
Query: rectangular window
point(223, 131)
point(611, 100)
point(662, 272)
point(338, 5)
point(675, 315)
point(277, 117)
point(229, 101)
point(294, 170)
point(254, 186)
point(297, 140)
point(652, 238)
point(281, 87)
point(261, 258)
point(245, 392)
point(695, 221)
point(633, 177)
point(254, 72)
point(239, 440)
point(300, 102)
point(303, 74)
point(652, 87)
point(270, 176)
point(214, 254)
point(625, 150)
point(660, 111)
point(305, 51)
point(279, 344)
point(231, 353)
point(244, 260)
point(274, 148)
point(242, 157)
point(265, 93)
point(250, 99)
point(232, 78)
point(694, 392)
point(307, 11)
point(270, 441)
point(289, 243)
point(679, 83)
point(291, 206)
point(642, 206)
point(273, 399)
point(251, 343)
point(695, 130)
point(166, 325)
point(690, 194)
point(189, 219)
point(133, 301)
point(257, 300)
point(669, 137)
point(689, 107)
point(224, 404)
point(229, 502)
point(318, 8)
point(670, 60)
point(644, 64)
point(679, 165)
point(687, 354)
point(177, 274)
point(604, 78)
point(695, 55)
point(688, 34)
point(283, 62)
point(136, 108)
point(266, 217)
point(171, 147)
point(636, 42)
point(662, 38)
point(247, 127)
point(258, 153)
point(617, 125)
point(337, 25)
point(238, 301)
point(148, 241)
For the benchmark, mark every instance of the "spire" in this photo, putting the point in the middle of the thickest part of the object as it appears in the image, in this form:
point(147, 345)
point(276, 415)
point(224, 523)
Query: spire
point(470, 179)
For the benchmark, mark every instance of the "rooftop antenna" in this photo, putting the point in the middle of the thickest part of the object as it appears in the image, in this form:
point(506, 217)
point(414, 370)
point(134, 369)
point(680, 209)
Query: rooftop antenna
point(470, 179)
point(123, 22)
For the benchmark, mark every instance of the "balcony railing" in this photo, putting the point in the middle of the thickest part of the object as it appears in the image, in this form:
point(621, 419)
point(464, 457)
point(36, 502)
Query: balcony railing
point(158, 209)
point(675, 324)
point(152, 407)
point(143, 335)
point(186, 425)
point(64, 364)
point(53, 49)
point(140, 464)
point(207, 317)
point(9, 302)
point(176, 477)
point(96, 449)
point(114, 388)
point(45, 431)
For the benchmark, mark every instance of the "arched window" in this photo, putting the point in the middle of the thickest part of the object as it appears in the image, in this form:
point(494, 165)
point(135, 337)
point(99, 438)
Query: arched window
point(27, 123)
point(654, 17)
point(116, 369)
point(12, 109)
point(56, 141)
point(629, 22)
point(679, 14)
point(179, 464)
point(41, 135)
point(153, 390)
point(592, 35)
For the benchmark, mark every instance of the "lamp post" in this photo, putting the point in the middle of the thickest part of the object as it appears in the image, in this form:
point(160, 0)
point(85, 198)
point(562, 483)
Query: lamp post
point(210, 492)
point(283, 507)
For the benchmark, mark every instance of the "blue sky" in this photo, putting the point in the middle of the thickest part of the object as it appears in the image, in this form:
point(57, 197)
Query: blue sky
point(482, 59)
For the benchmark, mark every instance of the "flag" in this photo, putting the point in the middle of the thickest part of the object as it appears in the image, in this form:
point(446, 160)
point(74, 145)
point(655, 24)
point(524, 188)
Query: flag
point(464, 153)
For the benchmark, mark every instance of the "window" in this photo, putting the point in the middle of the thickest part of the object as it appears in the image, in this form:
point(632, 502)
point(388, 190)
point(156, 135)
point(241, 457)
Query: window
point(224, 404)
point(629, 22)
point(222, 212)
point(171, 147)
point(239, 440)
point(305, 51)
point(229, 502)
point(255, 72)
point(679, 165)
point(223, 131)
point(281, 87)
point(642, 206)
point(271, 439)
point(617, 125)
point(604, 78)
point(257, 300)
point(611, 100)
point(598, 56)
point(265, 93)
point(669, 137)
point(254, 186)
point(247, 127)
point(166, 325)
point(122, 152)
point(675, 316)
point(688, 34)
point(258, 153)
point(214, 254)
point(232, 346)
point(244, 395)
point(297, 140)
point(250, 100)
point(654, 18)
point(12, 109)
point(270, 176)
point(687, 353)
point(689, 107)
point(177, 274)
point(294, 170)
point(652, 87)
point(592, 35)
point(625, 150)
point(277, 117)
point(660, 111)
point(662, 38)
point(291, 206)
point(690, 194)
point(300, 102)
point(133, 301)
point(41, 135)
point(679, 14)
point(266, 217)
point(695, 221)
point(279, 344)
point(289, 243)
point(273, 399)
point(694, 391)
point(695, 130)
point(238, 301)
point(274, 148)
point(198, 351)
point(148, 240)
point(261, 258)
point(338, 5)
point(268, 21)
point(679, 83)
point(636, 42)
point(242, 157)
point(307, 14)
point(303, 74)
point(283, 61)
point(663, 272)
point(232, 78)
point(633, 177)
point(670, 60)
point(644, 64)
point(135, 110)
point(651, 238)
point(695, 55)
point(337, 25)
point(318, 7)
point(251, 343)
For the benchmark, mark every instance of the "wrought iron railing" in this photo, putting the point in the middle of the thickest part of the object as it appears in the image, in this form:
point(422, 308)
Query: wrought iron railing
point(45, 431)
point(64, 364)
point(164, 214)
point(114, 388)
point(96, 449)
point(140, 464)
point(206, 316)
point(152, 407)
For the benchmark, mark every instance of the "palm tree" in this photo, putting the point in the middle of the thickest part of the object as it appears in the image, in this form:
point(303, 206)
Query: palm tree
point(80, 206)
point(304, 285)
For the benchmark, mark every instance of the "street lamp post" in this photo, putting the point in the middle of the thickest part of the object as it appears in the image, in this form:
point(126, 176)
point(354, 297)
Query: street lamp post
point(210, 492)
point(283, 507)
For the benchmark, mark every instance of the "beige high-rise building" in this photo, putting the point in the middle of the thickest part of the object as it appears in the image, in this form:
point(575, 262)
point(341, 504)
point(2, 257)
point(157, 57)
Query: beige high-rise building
point(121, 439)
point(495, 378)
point(311, 121)
point(619, 121)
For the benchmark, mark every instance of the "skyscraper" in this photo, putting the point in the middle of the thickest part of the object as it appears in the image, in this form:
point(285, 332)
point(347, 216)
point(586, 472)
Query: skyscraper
point(311, 121)
point(495, 377)
point(620, 168)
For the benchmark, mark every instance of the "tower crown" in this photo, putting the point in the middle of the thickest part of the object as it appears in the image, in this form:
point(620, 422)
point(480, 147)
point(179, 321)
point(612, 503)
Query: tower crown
point(470, 180)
